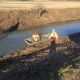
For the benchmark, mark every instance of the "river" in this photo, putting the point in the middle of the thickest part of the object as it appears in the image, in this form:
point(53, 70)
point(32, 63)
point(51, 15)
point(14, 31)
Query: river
point(15, 40)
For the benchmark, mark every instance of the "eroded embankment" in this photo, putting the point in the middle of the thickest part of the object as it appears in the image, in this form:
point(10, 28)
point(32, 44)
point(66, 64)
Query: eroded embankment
point(39, 65)
point(32, 19)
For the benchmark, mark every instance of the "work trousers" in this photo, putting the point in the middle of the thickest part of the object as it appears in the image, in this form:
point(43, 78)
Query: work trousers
point(52, 48)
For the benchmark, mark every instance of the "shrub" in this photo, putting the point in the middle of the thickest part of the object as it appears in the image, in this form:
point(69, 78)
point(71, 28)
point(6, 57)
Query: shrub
point(39, 9)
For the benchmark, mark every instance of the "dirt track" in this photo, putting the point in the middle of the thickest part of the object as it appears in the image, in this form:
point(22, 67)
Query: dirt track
point(29, 5)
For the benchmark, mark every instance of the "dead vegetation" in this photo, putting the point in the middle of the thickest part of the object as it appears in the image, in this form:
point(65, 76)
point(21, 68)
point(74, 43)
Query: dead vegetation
point(32, 19)
point(40, 0)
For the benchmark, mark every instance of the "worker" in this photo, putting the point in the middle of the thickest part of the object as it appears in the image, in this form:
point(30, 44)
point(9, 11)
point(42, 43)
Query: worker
point(54, 35)
point(53, 39)
point(36, 36)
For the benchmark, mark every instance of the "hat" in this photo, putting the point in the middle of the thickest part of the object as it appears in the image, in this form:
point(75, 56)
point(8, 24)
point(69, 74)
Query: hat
point(53, 30)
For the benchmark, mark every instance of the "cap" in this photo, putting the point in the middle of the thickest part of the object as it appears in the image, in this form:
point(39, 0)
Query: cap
point(53, 30)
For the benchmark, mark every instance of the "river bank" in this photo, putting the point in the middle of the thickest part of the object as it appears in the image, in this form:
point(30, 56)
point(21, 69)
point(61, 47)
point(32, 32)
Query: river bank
point(37, 61)
point(32, 49)
point(31, 19)
point(38, 47)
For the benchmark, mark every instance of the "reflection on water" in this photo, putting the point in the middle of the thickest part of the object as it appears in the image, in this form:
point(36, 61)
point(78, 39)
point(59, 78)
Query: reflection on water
point(15, 40)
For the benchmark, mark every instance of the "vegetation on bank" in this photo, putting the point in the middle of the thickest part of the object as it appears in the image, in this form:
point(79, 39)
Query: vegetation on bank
point(36, 17)
point(69, 72)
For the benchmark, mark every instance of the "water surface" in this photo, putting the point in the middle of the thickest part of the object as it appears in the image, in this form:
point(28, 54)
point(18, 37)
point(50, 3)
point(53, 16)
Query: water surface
point(15, 40)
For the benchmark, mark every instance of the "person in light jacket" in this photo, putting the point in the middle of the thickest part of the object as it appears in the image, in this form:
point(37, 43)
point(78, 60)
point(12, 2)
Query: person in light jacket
point(36, 36)
point(53, 39)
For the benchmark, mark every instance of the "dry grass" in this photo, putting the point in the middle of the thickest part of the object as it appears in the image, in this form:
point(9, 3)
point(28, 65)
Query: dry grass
point(40, 0)
point(31, 19)
point(30, 4)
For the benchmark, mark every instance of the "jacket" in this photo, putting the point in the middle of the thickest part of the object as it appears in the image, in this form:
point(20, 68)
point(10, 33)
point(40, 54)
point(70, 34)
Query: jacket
point(53, 34)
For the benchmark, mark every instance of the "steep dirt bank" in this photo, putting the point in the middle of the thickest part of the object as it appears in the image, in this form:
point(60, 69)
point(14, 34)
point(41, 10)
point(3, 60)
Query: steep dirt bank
point(40, 66)
point(31, 19)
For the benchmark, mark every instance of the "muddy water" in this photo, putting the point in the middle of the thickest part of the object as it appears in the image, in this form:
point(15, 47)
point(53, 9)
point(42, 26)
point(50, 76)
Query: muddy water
point(15, 40)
